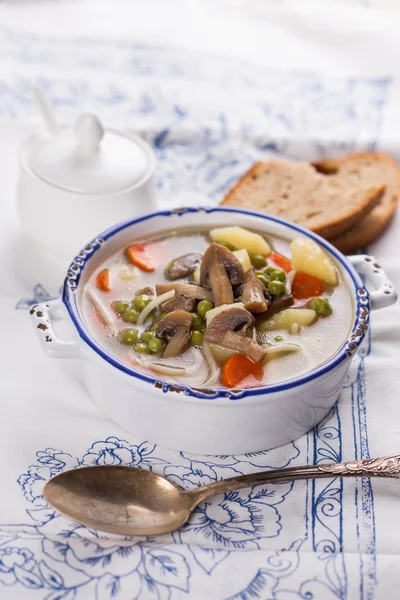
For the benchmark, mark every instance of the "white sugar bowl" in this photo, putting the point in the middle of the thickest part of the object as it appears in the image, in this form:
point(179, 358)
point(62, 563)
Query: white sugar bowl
point(77, 181)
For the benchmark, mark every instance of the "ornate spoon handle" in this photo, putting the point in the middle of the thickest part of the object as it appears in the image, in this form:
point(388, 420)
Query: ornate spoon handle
point(385, 466)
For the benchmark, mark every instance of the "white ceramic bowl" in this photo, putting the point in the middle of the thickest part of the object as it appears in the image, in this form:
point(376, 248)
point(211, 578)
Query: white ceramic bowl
point(207, 421)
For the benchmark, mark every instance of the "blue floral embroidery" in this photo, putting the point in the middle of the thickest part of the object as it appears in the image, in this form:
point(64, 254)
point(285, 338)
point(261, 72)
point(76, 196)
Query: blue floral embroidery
point(264, 460)
point(74, 561)
point(237, 520)
point(197, 473)
point(114, 451)
point(32, 484)
point(88, 555)
point(56, 460)
point(14, 562)
point(39, 295)
point(208, 558)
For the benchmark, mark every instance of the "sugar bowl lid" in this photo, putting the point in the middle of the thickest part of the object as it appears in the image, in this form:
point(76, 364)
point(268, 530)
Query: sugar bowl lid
point(88, 159)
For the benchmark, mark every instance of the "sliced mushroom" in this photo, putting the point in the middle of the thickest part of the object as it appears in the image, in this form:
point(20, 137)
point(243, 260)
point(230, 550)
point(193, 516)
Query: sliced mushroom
point(182, 266)
point(252, 295)
point(189, 290)
point(279, 303)
point(219, 271)
point(179, 303)
point(230, 319)
point(243, 345)
point(229, 328)
point(237, 291)
point(211, 314)
point(185, 297)
point(146, 290)
point(174, 329)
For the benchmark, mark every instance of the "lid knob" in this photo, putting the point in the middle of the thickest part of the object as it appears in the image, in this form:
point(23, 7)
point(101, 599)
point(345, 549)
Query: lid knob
point(89, 132)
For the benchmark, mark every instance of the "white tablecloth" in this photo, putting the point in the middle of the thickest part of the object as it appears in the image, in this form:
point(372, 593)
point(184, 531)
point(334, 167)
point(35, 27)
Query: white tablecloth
point(323, 79)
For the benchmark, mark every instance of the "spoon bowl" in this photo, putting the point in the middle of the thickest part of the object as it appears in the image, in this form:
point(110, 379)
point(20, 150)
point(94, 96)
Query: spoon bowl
point(119, 499)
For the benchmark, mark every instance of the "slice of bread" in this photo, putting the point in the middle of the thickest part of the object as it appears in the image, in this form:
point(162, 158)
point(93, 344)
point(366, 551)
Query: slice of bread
point(327, 202)
point(372, 168)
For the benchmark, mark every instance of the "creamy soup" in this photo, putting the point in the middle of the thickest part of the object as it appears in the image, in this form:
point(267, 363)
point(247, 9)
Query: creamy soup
point(225, 307)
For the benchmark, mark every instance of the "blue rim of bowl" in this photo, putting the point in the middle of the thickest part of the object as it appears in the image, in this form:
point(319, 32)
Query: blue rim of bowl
point(347, 349)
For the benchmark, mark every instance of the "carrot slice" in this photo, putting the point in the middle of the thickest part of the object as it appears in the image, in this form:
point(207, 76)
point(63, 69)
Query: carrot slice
point(240, 371)
point(103, 280)
point(281, 261)
point(306, 286)
point(139, 257)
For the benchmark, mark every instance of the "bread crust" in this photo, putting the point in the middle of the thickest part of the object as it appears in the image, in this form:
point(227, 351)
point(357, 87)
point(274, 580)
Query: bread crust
point(361, 224)
point(335, 227)
point(248, 175)
point(372, 225)
point(348, 243)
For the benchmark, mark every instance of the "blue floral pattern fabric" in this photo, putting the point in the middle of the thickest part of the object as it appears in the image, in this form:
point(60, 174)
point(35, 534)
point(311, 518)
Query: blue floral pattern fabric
point(208, 119)
point(231, 533)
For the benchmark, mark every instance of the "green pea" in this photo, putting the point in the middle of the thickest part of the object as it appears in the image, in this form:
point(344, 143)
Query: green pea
point(142, 348)
point(155, 345)
point(130, 315)
point(154, 327)
point(264, 280)
point(276, 288)
point(270, 269)
point(321, 306)
point(258, 261)
point(129, 336)
point(196, 338)
point(198, 322)
point(278, 275)
point(227, 245)
point(279, 338)
point(203, 307)
point(120, 307)
point(147, 336)
point(141, 301)
point(166, 270)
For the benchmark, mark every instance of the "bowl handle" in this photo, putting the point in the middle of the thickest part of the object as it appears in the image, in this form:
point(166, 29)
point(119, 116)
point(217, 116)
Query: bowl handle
point(45, 315)
point(384, 293)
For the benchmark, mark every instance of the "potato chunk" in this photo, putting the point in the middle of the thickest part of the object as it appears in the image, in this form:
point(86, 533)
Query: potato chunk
point(240, 238)
point(221, 354)
point(129, 274)
point(285, 319)
point(244, 259)
point(308, 257)
point(196, 275)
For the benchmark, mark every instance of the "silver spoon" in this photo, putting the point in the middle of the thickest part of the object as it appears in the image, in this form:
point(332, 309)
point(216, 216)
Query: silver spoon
point(131, 501)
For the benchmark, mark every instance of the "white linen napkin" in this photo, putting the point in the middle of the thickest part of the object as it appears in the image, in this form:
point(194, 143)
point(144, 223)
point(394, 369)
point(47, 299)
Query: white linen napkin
point(208, 118)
